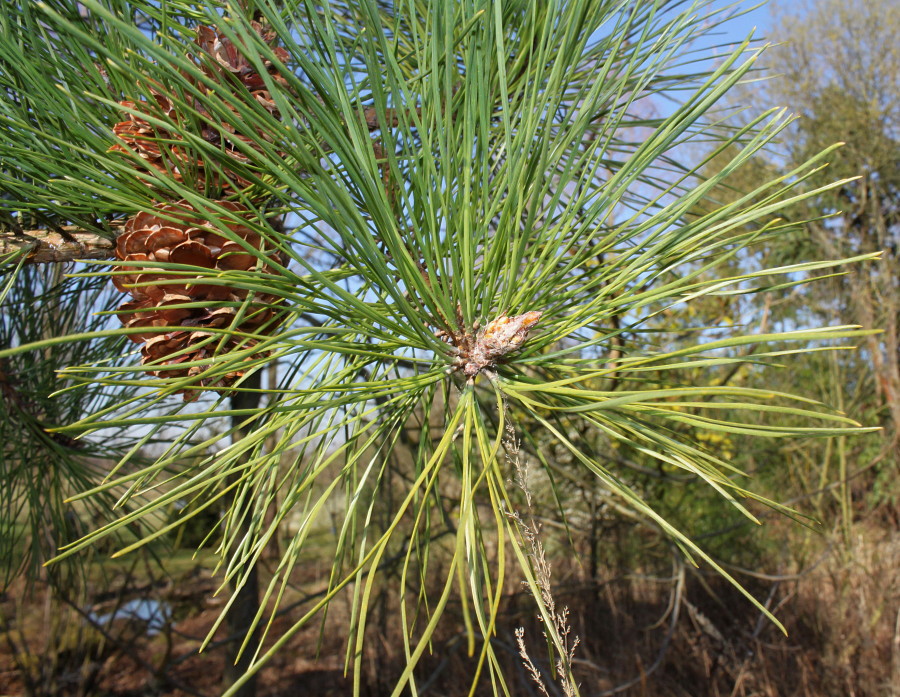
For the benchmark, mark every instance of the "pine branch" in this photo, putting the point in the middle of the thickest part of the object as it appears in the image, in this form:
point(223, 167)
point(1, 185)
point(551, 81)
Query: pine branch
point(51, 246)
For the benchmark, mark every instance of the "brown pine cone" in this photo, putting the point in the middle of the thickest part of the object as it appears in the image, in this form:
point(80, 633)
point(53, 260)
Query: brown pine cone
point(219, 57)
point(163, 152)
point(160, 296)
point(156, 146)
point(227, 57)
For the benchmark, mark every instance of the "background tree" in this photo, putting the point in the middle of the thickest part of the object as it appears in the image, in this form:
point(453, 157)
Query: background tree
point(839, 66)
point(437, 218)
point(842, 74)
point(836, 65)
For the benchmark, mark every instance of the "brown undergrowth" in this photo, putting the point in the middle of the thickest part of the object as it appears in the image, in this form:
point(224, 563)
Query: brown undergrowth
point(681, 633)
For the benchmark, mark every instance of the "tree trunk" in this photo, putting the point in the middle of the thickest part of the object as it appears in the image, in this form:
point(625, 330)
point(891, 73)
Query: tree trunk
point(246, 604)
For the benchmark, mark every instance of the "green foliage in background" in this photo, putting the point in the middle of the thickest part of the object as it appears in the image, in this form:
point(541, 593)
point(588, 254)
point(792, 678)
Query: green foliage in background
point(514, 169)
point(42, 468)
point(836, 64)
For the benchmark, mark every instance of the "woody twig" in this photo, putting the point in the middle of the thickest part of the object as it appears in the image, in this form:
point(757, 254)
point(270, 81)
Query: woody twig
point(51, 246)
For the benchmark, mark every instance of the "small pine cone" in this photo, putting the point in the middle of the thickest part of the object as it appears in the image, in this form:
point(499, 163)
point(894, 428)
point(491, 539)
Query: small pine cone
point(179, 234)
point(224, 61)
point(228, 58)
point(162, 152)
point(155, 146)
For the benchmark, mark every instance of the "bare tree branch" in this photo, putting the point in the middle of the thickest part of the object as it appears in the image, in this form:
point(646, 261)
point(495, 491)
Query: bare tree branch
point(49, 246)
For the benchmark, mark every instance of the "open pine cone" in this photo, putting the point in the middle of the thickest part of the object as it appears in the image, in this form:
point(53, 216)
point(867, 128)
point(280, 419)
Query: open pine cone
point(164, 151)
point(178, 234)
point(224, 61)
point(226, 57)
point(156, 146)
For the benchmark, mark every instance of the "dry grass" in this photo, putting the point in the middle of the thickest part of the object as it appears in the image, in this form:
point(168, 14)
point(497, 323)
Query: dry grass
point(677, 634)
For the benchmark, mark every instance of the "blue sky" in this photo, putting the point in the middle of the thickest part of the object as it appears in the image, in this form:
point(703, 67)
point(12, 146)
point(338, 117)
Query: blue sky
point(738, 28)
